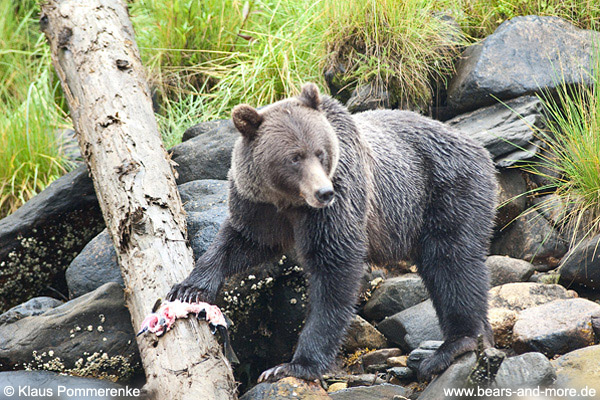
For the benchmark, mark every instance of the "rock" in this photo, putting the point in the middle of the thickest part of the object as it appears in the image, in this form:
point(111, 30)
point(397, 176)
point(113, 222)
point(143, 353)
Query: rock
point(454, 377)
point(68, 147)
point(287, 389)
point(379, 356)
point(89, 336)
point(206, 156)
point(40, 239)
point(205, 127)
point(582, 265)
point(401, 373)
point(206, 204)
point(530, 238)
point(334, 387)
point(399, 361)
point(96, 265)
point(425, 350)
point(378, 392)
point(526, 370)
point(579, 369)
point(54, 386)
point(368, 97)
point(506, 270)
point(556, 327)
point(524, 55)
point(504, 129)
point(35, 306)
point(511, 201)
point(412, 326)
point(488, 363)
point(364, 380)
point(508, 300)
point(395, 295)
point(362, 335)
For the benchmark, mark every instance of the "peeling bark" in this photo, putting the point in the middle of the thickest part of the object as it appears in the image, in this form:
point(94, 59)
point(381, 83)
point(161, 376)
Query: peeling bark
point(97, 60)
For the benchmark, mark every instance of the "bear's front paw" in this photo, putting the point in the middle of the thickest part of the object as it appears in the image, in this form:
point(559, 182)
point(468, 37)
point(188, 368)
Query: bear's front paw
point(289, 369)
point(190, 292)
point(433, 365)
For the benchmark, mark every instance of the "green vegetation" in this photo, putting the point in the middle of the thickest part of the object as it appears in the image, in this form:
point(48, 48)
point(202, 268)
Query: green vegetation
point(203, 57)
point(572, 163)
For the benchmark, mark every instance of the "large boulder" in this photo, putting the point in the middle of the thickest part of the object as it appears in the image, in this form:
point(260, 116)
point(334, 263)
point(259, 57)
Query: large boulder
point(40, 239)
point(505, 130)
point(35, 306)
point(524, 55)
point(287, 389)
point(395, 295)
point(579, 369)
point(526, 370)
point(556, 327)
point(511, 196)
point(206, 204)
point(582, 264)
point(377, 392)
point(90, 336)
point(507, 270)
point(54, 386)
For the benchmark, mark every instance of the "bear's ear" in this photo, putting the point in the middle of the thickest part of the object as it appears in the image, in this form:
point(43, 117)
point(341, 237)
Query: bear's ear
point(247, 120)
point(310, 95)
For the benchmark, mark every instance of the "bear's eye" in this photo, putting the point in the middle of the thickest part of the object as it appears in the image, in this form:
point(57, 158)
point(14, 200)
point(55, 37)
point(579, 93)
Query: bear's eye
point(296, 158)
point(320, 155)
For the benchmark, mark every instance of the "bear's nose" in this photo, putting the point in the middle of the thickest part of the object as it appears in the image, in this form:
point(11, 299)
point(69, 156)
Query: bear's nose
point(325, 194)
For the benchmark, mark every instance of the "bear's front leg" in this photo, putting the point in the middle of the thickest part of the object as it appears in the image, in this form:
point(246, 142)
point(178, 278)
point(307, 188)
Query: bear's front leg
point(334, 257)
point(229, 253)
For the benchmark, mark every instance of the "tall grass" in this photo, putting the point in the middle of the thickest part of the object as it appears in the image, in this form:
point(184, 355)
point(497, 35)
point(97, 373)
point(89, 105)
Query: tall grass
point(572, 162)
point(30, 157)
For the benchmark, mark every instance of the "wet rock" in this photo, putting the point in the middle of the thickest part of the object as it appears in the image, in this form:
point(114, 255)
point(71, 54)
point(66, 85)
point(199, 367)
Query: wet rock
point(425, 350)
point(506, 270)
point(412, 326)
point(40, 239)
point(206, 156)
point(35, 306)
point(504, 129)
point(395, 295)
point(206, 204)
point(368, 97)
point(507, 301)
point(378, 392)
point(579, 369)
point(556, 327)
point(530, 238)
point(89, 336)
point(380, 356)
point(54, 386)
point(524, 55)
point(582, 265)
point(362, 335)
point(454, 377)
point(206, 127)
point(511, 201)
point(287, 389)
point(526, 370)
point(488, 363)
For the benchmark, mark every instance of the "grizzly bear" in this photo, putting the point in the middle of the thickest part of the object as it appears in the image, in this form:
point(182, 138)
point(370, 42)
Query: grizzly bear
point(345, 190)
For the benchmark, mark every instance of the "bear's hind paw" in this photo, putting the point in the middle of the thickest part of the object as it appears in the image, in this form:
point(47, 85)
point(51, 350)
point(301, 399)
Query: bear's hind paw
point(288, 369)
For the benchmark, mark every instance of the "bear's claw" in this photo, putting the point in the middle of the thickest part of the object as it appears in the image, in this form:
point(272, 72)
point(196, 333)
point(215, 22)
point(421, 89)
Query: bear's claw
point(288, 369)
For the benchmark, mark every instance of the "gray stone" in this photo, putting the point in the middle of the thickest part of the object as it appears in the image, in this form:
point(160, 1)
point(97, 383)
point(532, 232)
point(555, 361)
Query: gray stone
point(362, 335)
point(506, 270)
point(378, 392)
point(73, 338)
point(556, 327)
point(395, 295)
point(206, 204)
point(582, 264)
point(526, 370)
point(206, 156)
point(455, 376)
point(524, 55)
point(579, 369)
point(531, 238)
point(379, 356)
point(205, 127)
point(511, 198)
point(505, 130)
point(40, 239)
point(401, 372)
point(368, 97)
point(35, 306)
point(364, 380)
point(412, 326)
point(46, 385)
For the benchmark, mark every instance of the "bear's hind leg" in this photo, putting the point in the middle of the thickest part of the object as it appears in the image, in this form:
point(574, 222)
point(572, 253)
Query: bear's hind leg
point(451, 263)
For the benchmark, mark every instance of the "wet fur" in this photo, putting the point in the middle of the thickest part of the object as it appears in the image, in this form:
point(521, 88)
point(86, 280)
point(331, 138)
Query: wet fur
point(405, 186)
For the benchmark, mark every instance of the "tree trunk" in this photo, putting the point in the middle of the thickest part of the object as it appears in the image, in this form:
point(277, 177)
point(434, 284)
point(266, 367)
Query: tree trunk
point(97, 60)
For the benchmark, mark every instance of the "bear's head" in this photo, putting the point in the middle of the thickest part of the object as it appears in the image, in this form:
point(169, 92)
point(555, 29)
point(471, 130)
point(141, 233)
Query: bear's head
point(288, 152)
